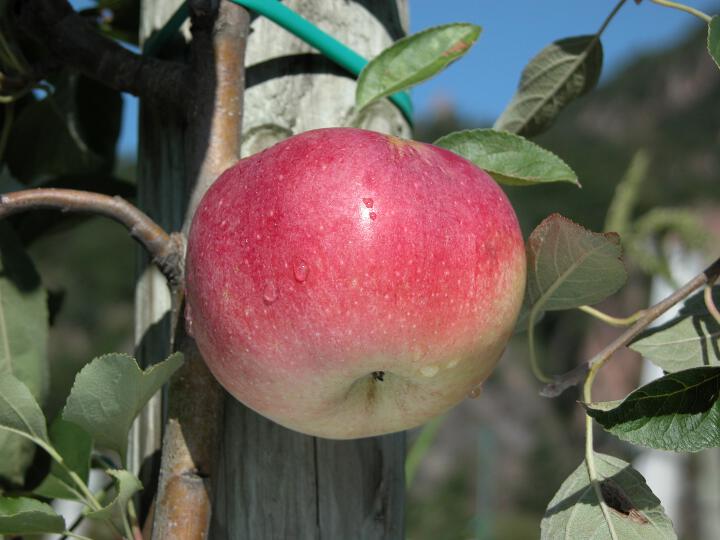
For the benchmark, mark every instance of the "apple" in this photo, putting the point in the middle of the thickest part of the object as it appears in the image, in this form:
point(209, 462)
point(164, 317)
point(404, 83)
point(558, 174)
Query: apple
point(346, 283)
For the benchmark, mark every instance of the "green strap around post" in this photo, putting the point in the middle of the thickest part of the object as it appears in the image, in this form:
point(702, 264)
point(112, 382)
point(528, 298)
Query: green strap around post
point(296, 24)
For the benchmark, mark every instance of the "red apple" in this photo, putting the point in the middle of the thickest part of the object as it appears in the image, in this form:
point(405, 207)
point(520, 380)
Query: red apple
point(345, 283)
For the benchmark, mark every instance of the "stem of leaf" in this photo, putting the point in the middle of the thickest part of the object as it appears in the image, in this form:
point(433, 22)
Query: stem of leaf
point(608, 19)
point(87, 495)
point(132, 513)
point(590, 451)
point(609, 319)
point(126, 525)
point(687, 9)
point(70, 534)
point(534, 365)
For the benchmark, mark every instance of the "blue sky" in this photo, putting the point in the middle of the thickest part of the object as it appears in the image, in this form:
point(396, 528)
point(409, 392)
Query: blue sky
point(481, 83)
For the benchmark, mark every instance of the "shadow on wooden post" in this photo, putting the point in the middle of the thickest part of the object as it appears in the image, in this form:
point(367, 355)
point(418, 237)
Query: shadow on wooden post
point(271, 482)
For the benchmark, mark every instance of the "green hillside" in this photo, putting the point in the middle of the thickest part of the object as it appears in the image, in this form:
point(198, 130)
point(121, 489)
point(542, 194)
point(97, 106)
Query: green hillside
point(666, 102)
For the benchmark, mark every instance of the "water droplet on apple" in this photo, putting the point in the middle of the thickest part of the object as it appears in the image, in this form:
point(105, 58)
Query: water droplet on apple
point(270, 292)
point(368, 203)
point(373, 216)
point(475, 392)
point(301, 271)
point(429, 371)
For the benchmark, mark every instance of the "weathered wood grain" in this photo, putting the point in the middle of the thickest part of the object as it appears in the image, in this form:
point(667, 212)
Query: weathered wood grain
point(272, 483)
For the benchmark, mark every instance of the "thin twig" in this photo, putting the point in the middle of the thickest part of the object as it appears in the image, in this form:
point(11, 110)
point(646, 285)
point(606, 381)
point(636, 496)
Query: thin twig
point(609, 319)
point(710, 303)
point(590, 452)
point(682, 7)
point(165, 249)
point(574, 377)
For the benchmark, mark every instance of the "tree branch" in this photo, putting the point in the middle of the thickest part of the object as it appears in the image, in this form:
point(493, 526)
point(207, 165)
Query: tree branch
point(166, 250)
point(576, 376)
point(191, 441)
point(73, 41)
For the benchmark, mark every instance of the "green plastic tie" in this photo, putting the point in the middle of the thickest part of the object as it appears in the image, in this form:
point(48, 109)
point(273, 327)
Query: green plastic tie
point(297, 25)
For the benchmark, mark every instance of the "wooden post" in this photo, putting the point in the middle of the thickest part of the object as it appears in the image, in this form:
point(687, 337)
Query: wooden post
point(271, 482)
point(162, 194)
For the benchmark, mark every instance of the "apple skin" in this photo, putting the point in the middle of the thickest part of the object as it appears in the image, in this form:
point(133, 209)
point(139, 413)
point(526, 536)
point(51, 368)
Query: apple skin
point(346, 284)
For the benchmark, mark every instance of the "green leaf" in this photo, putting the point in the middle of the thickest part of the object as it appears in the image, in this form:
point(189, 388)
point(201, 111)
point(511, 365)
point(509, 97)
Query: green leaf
point(510, 159)
point(569, 266)
point(23, 341)
point(72, 131)
point(627, 192)
point(22, 515)
point(413, 59)
point(20, 413)
point(635, 512)
point(713, 39)
point(559, 74)
point(126, 485)
point(678, 412)
point(75, 447)
point(108, 394)
point(420, 447)
point(23, 316)
point(691, 339)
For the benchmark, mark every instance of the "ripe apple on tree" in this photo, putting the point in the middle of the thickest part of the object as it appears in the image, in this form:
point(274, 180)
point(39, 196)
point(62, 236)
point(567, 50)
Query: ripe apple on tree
point(345, 283)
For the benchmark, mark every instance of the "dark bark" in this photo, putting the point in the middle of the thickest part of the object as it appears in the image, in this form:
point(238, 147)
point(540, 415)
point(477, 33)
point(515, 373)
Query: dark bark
point(71, 40)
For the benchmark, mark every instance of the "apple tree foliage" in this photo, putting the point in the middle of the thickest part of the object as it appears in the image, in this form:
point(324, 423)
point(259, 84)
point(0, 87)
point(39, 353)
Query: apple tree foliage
point(569, 267)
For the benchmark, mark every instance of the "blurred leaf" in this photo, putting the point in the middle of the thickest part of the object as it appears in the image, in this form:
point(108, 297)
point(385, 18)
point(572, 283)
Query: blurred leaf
point(691, 339)
point(510, 159)
point(635, 512)
point(126, 485)
point(75, 446)
point(72, 131)
point(678, 412)
point(109, 393)
point(23, 341)
point(569, 266)
point(413, 59)
point(713, 39)
point(22, 515)
point(679, 221)
point(619, 214)
point(99, 117)
point(12, 60)
point(420, 448)
point(56, 299)
point(559, 74)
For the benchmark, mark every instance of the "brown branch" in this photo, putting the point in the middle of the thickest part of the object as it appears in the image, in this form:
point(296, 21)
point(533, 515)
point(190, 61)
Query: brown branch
point(72, 41)
point(576, 376)
point(709, 302)
point(183, 504)
point(166, 250)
